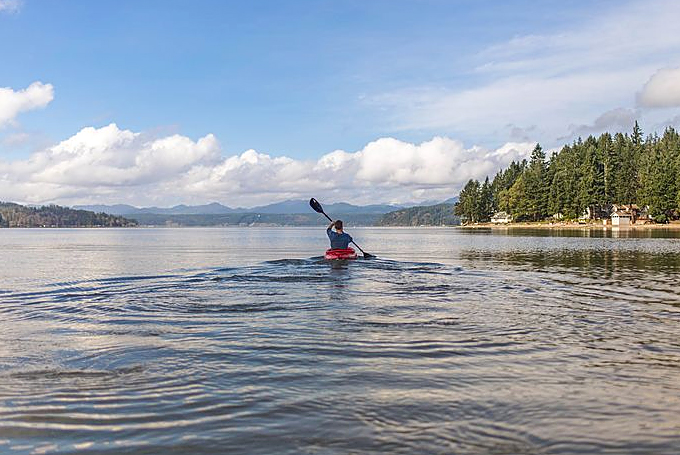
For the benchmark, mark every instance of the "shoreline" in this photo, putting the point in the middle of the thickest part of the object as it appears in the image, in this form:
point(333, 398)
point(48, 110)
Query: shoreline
point(570, 226)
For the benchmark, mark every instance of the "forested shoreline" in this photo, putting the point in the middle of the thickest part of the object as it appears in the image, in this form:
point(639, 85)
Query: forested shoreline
point(585, 177)
point(16, 215)
point(432, 215)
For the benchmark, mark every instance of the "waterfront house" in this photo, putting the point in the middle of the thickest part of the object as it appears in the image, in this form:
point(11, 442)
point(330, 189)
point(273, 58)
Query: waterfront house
point(596, 212)
point(635, 213)
point(501, 218)
point(622, 218)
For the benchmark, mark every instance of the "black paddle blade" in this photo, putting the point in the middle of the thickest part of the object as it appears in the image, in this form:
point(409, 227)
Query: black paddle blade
point(368, 256)
point(315, 205)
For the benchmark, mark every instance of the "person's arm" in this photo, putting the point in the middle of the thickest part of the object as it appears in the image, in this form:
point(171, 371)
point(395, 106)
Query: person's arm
point(330, 226)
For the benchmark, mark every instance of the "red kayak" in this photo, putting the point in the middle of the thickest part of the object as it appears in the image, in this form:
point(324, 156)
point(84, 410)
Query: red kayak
point(340, 253)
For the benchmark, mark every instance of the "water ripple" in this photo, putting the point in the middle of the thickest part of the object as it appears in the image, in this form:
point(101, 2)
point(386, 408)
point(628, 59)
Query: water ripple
point(301, 356)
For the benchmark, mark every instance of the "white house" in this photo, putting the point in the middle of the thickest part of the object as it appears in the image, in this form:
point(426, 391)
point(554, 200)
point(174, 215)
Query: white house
point(620, 218)
point(501, 217)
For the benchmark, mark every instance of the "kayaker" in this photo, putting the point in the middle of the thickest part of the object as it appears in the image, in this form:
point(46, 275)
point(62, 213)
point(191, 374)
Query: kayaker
point(339, 239)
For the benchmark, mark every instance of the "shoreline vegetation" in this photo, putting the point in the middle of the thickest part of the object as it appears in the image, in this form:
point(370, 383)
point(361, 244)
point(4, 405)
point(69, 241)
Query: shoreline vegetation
point(622, 178)
point(54, 216)
point(674, 225)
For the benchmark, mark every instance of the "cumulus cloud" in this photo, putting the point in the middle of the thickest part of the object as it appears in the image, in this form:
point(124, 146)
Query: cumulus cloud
point(662, 89)
point(110, 165)
point(12, 103)
point(110, 156)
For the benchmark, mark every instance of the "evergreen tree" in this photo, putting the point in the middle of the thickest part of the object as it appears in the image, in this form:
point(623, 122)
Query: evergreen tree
point(622, 173)
point(637, 135)
point(468, 202)
point(535, 187)
point(518, 201)
point(630, 166)
point(610, 163)
point(658, 176)
point(591, 192)
point(597, 172)
point(485, 204)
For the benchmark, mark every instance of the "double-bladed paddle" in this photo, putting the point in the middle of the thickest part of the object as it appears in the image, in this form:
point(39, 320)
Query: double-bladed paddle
point(317, 208)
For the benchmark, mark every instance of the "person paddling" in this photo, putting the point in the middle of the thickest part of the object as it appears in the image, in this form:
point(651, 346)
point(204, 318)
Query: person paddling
point(340, 240)
point(349, 253)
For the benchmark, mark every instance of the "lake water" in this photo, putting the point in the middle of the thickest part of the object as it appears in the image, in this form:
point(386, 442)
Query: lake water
point(200, 341)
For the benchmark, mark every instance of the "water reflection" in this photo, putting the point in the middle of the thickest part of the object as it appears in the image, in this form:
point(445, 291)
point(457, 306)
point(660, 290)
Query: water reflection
point(602, 262)
point(590, 232)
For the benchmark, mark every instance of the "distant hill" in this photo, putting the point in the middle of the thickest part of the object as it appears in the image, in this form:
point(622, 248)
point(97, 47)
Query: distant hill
point(451, 200)
point(124, 209)
point(287, 213)
point(256, 219)
point(281, 208)
point(432, 215)
point(15, 215)
point(302, 206)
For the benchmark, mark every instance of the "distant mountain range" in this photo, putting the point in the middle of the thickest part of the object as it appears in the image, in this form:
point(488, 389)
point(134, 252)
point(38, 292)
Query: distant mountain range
point(124, 209)
point(286, 213)
point(289, 207)
point(433, 215)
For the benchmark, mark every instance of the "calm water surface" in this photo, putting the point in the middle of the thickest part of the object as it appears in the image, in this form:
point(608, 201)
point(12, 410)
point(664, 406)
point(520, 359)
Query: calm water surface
point(244, 341)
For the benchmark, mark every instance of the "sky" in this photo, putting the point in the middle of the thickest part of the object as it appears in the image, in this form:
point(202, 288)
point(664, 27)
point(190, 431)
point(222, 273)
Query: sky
point(248, 103)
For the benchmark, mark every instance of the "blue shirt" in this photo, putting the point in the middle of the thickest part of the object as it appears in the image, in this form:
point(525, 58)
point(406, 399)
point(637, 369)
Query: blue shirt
point(338, 240)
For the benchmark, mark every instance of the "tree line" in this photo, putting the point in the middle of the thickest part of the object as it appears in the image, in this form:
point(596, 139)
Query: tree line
point(15, 215)
point(591, 174)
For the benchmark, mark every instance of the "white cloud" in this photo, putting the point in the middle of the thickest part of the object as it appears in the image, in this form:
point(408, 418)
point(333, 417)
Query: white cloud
point(662, 89)
point(10, 6)
point(567, 77)
point(109, 156)
point(35, 96)
point(110, 165)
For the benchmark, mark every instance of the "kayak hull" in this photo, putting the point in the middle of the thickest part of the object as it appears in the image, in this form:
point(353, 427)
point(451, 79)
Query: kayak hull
point(340, 253)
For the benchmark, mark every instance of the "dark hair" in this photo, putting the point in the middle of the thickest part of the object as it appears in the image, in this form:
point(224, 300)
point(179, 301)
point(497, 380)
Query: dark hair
point(338, 225)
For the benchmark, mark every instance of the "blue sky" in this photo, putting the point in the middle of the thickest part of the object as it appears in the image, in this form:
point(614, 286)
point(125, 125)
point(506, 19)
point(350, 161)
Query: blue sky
point(298, 80)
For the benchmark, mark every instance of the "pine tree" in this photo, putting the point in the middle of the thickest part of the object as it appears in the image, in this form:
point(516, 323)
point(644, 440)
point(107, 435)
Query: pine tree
point(610, 162)
point(630, 166)
point(591, 188)
point(468, 202)
point(658, 182)
point(594, 173)
point(518, 200)
point(637, 135)
point(536, 190)
point(485, 203)
point(622, 172)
